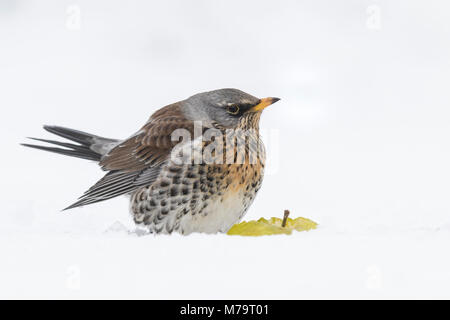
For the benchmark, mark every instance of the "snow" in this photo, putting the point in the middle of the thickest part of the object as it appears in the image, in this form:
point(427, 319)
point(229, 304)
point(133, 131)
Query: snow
point(325, 263)
point(358, 143)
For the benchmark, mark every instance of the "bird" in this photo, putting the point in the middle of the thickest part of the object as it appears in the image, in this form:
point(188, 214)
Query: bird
point(194, 167)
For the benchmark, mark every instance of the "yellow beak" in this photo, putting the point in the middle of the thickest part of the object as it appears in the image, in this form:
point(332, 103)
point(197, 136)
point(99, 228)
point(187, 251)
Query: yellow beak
point(264, 103)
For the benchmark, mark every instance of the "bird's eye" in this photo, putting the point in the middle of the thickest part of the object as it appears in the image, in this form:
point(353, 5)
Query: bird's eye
point(233, 109)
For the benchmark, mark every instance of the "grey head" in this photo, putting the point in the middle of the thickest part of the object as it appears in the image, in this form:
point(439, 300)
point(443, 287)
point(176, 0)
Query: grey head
point(225, 108)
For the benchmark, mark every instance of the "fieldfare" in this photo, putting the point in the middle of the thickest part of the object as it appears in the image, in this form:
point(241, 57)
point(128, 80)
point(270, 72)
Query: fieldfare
point(195, 166)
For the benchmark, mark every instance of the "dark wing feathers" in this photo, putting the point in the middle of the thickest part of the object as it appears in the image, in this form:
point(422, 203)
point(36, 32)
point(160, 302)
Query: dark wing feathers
point(146, 175)
point(137, 161)
point(113, 184)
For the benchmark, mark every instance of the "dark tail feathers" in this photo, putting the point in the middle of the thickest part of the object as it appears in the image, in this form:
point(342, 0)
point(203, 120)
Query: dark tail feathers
point(88, 146)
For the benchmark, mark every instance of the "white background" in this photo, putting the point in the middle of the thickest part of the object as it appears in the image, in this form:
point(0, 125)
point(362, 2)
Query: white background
point(358, 143)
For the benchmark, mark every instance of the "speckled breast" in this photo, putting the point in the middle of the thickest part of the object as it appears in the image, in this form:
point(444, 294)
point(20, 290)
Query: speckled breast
point(204, 197)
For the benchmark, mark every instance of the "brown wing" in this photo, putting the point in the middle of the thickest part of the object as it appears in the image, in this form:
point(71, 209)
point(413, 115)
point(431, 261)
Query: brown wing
point(137, 160)
point(151, 145)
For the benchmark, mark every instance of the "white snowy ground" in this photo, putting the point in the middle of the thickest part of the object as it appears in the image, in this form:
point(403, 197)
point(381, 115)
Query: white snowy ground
point(358, 143)
point(331, 262)
point(328, 263)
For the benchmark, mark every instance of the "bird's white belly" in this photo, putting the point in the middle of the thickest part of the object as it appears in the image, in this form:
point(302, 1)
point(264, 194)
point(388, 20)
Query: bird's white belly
point(218, 216)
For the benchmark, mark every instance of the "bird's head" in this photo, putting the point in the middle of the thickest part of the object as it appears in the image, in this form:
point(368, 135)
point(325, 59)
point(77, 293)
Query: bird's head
point(226, 108)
